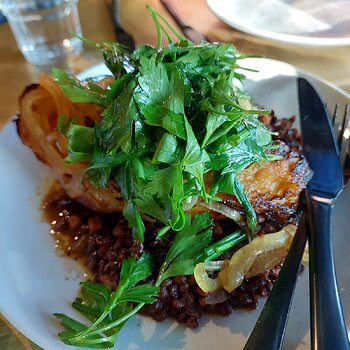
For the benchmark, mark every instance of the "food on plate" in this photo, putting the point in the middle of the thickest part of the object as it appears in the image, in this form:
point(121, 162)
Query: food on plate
point(181, 195)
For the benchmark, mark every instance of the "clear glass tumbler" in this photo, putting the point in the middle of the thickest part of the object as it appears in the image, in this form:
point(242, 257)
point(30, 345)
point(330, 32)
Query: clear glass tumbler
point(45, 30)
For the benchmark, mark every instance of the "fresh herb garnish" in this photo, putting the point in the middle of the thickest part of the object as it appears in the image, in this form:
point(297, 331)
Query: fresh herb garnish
point(171, 116)
point(178, 113)
point(187, 248)
point(108, 310)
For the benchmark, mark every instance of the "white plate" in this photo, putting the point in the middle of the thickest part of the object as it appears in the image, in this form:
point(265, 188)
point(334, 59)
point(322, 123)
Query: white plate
point(301, 22)
point(35, 282)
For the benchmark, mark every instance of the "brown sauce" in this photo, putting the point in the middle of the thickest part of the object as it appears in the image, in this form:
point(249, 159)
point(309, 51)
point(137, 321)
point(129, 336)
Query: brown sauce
point(64, 237)
point(72, 224)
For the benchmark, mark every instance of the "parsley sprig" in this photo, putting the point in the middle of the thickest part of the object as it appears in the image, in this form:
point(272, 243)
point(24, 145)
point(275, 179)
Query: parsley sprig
point(107, 310)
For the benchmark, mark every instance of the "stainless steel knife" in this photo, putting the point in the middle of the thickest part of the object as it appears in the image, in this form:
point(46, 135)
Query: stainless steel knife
point(328, 329)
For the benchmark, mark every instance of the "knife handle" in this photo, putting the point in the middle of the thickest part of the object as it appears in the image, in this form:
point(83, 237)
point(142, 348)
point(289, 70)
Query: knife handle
point(269, 330)
point(328, 328)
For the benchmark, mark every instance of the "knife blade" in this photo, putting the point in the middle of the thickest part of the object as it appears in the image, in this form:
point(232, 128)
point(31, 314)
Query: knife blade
point(328, 329)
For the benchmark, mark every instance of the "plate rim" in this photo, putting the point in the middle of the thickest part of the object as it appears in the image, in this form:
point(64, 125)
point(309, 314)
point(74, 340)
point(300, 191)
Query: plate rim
point(288, 39)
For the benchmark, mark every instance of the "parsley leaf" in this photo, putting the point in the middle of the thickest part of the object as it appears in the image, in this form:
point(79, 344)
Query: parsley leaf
point(77, 92)
point(187, 248)
point(108, 310)
point(129, 183)
point(81, 143)
point(116, 127)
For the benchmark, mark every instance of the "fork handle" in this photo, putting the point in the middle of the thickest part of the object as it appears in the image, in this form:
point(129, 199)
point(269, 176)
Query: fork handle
point(328, 329)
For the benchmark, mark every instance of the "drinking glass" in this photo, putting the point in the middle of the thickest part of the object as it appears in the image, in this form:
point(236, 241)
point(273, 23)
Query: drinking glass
point(45, 30)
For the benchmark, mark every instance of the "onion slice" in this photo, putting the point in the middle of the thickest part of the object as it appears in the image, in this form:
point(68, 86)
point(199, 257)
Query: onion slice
point(206, 283)
point(223, 209)
point(261, 254)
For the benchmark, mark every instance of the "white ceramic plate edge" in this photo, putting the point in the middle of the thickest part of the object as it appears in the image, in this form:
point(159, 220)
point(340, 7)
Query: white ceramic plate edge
point(218, 7)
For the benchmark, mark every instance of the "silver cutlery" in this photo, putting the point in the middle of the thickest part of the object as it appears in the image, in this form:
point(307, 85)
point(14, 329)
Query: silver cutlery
point(341, 127)
point(269, 330)
point(328, 329)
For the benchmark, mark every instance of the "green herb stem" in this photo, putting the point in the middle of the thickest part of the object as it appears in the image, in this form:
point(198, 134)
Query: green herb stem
point(224, 244)
point(110, 325)
point(155, 15)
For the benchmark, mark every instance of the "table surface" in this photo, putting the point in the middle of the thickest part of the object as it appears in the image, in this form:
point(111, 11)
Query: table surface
point(332, 64)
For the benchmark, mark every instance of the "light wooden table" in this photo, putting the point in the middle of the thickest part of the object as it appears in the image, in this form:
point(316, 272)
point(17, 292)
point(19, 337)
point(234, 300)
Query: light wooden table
point(332, 64)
